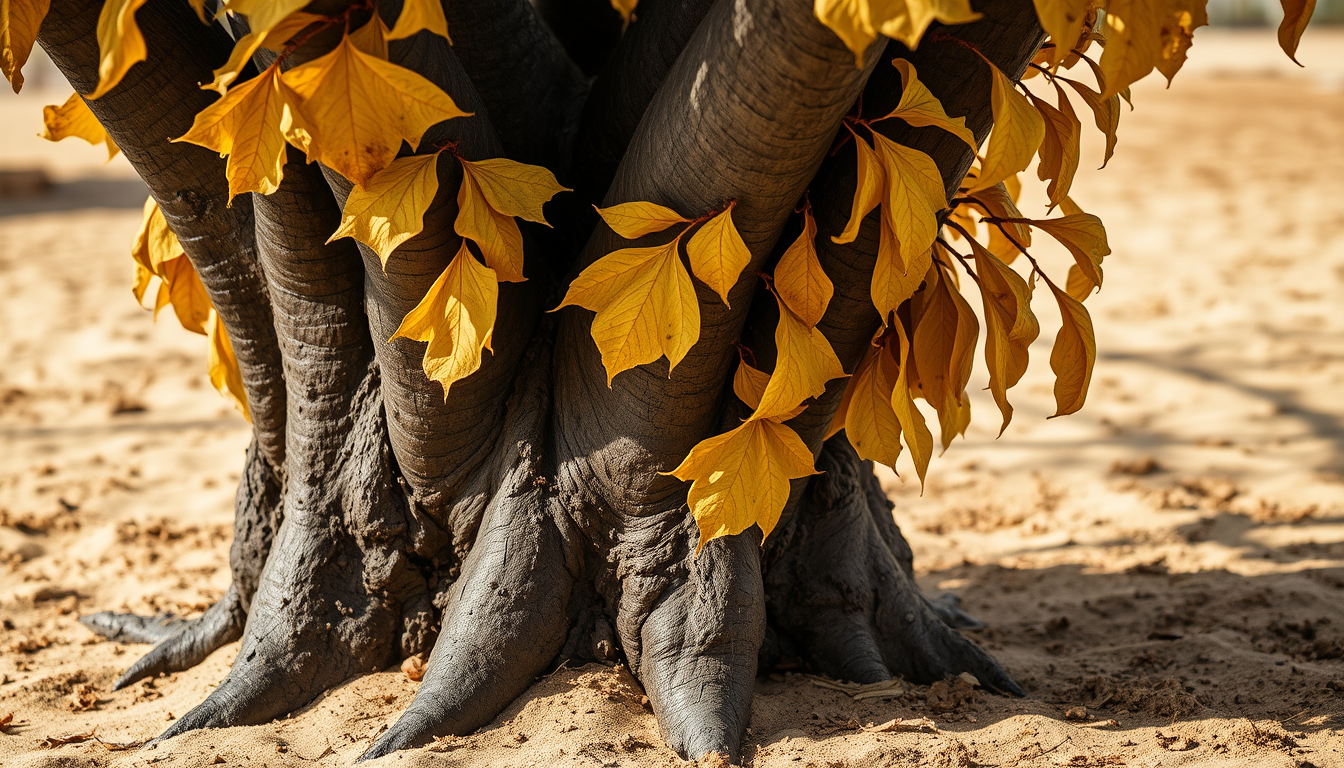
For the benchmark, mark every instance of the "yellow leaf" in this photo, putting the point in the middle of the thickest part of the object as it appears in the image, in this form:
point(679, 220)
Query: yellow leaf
point(1085, 237)
point(190, 302)
point(497, 235)
point(637, 219)
point(1078, 285)
point(1133, 42)
point(264, 15)
point(799, 279)
point(247, 126)
point(1106, 113)
point(870, 182)
point(1010, 326)
point(858, 22)
point(19, 21)
point(895, 280)
point(362, 108)
point(908, 27)
point(513, 188)
point(997, 202)
point(247, 45)
point(1074, 354)
point(717, 253)
point(457, 319)
point(914, 196)
point(73, 118)
point(371, 38)
point(741, 478)
point(1063, 21)
point(749, 384)
point(1296, 17)
point(223, 366)
point(870, 423)
point(391, 210)
point(645, 304)
point(804, 362)
point(626, 8)
point(120, 44)
point(1018, 132)
point(919, 107)
point(913, 428)
point(944, 350)
point(1178, 29)
point(155, 243)
point(1059, 151)
point(417, 15)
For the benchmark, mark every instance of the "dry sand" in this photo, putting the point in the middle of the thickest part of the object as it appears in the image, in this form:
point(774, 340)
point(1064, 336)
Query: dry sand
point(1164, 573)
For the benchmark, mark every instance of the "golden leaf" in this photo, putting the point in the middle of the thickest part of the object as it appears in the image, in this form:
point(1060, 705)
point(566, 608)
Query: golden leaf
point(645, 304)
point(919, 107)
point(944, 351)
point(741, 478)
point(895, 280)
point(1018, 132)
point(1010, 325)
point(858, 22)
point(391, 210)
point(1074, 354)
point(513, 188)
point(626, 8)
point(1133, 31)
point(1059, 151)
point(417, 15)
point(457, 319)
point(804, 362)
point(371, 38)
point(913, 428)
point(155, 243)
point(637, 219)
point(362, 108)
point(1105, 112)
point(870, 423)
point(1296, 17)
point(247, 126)
point(914, 196)
point(19, 22)
point(187, 294)
point(223, 366)
point(1078, 285)
point(870, 182)
point(497, 235)
point(1085, 237)
point(717, 253)
point(799, 279)
point(997, 202)
point(1178, 29)
point(1063, 21)
point(273, 39)
point(749, 384)
point(73, 118)
point(120, 44)
point(264, 15)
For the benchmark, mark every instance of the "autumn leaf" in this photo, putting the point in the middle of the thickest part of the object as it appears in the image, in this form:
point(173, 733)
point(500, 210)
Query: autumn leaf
point(457, 319)
point(187, 294)
point(225, 375)
point(391, 209)
point(870, 183)
point(1178, 29)
point(1085, 237)
point(645, 304)
point(512, 188)
point(1296, 17)
point(1133, 30)
point(362, 108)
point(155, 243)
point(804, 362)
point(19, 21)
point(273, 39)
point(1010, 325)
point(741, 478)
point(417, 15)
point(626, 8)
point(637, 219)
point(493, 192)
point(371, 38)
point(895, 280)
point(996, 202)
point(717, 253)
point(914, 196)
point(870, 422)
point(247, 126)
point(1106, 113)
point(908, 27)
point(858, 22)
point(264, 15)
point(1074, 354)
point(799, 279)
point(74, 118)
point(749, 384)
point(1018, 133)
point(120, 43)
point(919, 107)
point(1059, 151)
point(944, 341)
point(1078, 285)
point(1063, 21)
point(913, 428)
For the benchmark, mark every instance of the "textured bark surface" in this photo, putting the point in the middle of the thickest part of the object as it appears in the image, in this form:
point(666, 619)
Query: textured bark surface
point(523, 519)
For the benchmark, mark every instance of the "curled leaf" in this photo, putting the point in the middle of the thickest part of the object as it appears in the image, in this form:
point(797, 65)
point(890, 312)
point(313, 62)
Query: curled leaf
point(919, 107)
point(74, 118)
point(870, 183)
point(19, 21)
point(1074, 354)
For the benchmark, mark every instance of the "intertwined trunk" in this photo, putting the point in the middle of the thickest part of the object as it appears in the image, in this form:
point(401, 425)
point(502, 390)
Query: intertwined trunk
point(524, 519)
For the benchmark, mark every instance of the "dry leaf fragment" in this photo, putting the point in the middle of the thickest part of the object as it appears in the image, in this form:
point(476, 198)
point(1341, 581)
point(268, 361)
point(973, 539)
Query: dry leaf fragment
point(70, 738)
point(919, 107)
point(717, 253)
point(903, 725)
point(799, 279)
point(83, 699)
point(391, 209)
point(74, 118)
point(457, 319)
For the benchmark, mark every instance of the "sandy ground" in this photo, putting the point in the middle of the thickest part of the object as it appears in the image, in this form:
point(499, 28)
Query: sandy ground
point(1164, 573)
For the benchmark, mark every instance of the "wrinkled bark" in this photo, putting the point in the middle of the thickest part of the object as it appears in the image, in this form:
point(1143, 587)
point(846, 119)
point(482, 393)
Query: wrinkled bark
point(523, 518)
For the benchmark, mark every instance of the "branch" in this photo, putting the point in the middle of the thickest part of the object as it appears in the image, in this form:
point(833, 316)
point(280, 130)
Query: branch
point(158, 100)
